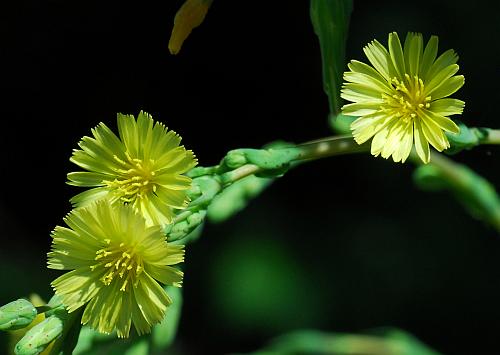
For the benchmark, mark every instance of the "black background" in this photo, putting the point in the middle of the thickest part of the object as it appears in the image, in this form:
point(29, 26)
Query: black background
point(371, 248)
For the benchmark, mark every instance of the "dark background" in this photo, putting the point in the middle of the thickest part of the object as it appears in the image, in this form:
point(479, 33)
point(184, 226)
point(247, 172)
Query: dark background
point(343, 245)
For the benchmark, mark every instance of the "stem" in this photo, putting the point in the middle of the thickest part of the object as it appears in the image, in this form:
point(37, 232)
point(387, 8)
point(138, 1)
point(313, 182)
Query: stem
point(479, 195)
point(182, 216)
point(493, 137)
point(321, 148)
point(327, 147)
point(239, 173)
point(43, 309)
point(447, 166)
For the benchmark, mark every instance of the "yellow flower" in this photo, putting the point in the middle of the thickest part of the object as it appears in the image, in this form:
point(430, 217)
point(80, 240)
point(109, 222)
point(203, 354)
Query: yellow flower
point(142, 168)
point(401, 100)
point(115, 260)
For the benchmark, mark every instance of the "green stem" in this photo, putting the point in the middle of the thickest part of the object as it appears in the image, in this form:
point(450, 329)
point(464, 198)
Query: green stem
point(331, 146)
point(321, 148)
point(239, 173)
point(43, 309)
point(182, 216)
point(493, 137)
point(476, 193)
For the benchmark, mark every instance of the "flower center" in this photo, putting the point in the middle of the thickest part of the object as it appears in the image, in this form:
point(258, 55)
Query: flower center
point(407, 98)
point(118, 261)
point(135, 181)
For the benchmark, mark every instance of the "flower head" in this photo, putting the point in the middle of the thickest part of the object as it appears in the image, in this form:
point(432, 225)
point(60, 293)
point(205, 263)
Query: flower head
point(115, 260)
point(401, 100)
point(143, 168)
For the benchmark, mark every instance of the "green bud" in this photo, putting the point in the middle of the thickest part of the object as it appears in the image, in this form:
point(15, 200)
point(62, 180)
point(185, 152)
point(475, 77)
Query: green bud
point(235, 197)
point(467, 138)
point(235, 158)
point(39, 337)
point(341, 123)
point(201, 171)
point(205, 187)
point(183, 228)
point(272, 159)
point(17, 314)
point(57, 308)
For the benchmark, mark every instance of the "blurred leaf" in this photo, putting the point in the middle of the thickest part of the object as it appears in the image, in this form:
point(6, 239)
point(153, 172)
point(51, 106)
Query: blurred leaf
point(257, 283)
point(141, 347)
point(475, 193)
point(190, 15)
point(392, 342)
point(91, 342)
point(330, 19)
point(165, 332)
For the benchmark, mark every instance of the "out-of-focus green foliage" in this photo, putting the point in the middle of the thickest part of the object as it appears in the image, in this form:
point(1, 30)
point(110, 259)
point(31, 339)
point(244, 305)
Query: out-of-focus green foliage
point(258, 284)
point(475, 193)
point(165, 332)
point(391, 342)
point(330, 19)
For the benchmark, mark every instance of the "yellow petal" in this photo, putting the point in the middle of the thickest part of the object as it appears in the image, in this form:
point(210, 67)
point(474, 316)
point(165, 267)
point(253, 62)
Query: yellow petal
point(421, 144)
point(447, 107)
point(396, 52)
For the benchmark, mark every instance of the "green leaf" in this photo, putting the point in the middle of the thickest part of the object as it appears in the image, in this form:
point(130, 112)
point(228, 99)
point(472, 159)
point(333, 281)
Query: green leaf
point(389, 342)
point(330, 19)
point(141, 347)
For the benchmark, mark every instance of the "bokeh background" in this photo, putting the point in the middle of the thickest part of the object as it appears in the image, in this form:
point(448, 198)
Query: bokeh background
point(344, 244)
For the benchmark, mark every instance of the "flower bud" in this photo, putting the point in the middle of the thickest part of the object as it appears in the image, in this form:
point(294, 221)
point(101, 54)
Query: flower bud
point(17, 314)
point(235, 158)
point(39, 337)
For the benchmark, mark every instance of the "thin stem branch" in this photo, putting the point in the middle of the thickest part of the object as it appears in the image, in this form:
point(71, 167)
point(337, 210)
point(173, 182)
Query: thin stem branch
point(493, 137)
point(331, 146)
point(321, 148)
point(43, 309)
point(479, 193)
point(239, 173)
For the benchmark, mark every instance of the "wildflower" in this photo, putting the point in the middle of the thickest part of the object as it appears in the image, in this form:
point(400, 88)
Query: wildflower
point(401, 100)
point(115, 261)
point(142, 168)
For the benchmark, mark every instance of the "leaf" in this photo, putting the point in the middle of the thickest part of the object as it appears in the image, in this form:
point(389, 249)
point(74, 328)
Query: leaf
point(330, 19)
